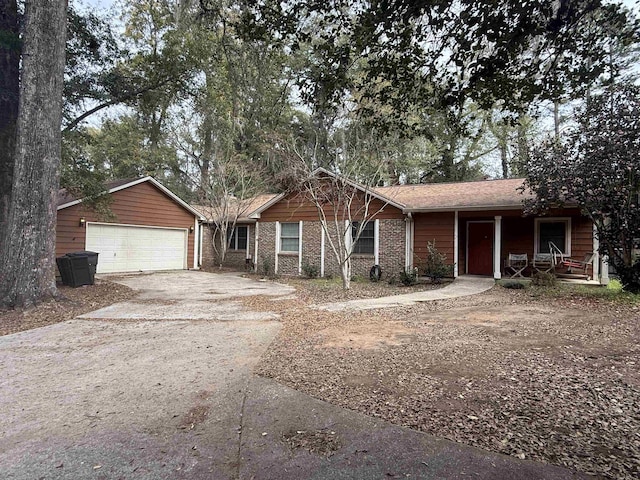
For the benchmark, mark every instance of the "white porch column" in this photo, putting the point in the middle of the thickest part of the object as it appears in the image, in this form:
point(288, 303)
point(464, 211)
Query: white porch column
point(497, 247)
point(408, 239)
point(275, 260)
point(604, 271)
point(456, 254)
point(596, 258)
point(321, 250)
point(300, 248)
point(196, 244)
point(376, 241)
point(255, 247)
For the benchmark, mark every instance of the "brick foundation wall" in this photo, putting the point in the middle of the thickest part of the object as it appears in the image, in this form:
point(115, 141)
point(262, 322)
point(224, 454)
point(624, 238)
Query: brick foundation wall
point(391, 250)
point(266, 245)
point(392, 246)
point(234, 258)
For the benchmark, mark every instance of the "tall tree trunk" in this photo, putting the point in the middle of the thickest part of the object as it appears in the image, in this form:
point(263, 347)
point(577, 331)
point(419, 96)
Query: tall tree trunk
point(27, 257)
point(523, 147)
point(502, 143)
point(9, 100)
point(556, 119)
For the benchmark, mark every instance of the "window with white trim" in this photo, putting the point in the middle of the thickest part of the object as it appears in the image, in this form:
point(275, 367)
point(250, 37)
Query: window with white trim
point(365, 244)
point(289, 237)
point(553, 230)
point(238, 237)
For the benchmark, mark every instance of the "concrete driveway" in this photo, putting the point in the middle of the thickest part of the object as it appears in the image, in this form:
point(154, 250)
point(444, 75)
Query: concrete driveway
point(161, 387)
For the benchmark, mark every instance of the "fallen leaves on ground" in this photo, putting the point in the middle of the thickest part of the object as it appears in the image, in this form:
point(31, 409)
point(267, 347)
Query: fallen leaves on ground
point(547, 379)
point(321, 442)
point(71, 303)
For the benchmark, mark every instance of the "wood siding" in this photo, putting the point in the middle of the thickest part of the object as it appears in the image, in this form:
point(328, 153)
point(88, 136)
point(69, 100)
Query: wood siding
point(430, 227)
point(141, 204)
point(295, 208)
point(518, 233)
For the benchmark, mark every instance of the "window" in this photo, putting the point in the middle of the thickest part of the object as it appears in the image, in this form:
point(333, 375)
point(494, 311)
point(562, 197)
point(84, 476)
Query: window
point(289, 237)
point(366, 243)
point(555, 230)
point(238, 238)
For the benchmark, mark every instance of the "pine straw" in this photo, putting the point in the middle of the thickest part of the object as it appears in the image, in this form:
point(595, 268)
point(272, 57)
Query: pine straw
point(549, 379)
point(71, 303)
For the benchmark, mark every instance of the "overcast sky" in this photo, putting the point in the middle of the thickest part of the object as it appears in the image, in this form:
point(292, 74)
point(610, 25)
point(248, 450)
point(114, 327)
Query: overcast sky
point(107, 3)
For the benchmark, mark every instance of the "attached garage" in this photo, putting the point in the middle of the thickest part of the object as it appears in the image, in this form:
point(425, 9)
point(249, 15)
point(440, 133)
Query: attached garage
point(149, 228)
point(130, 248)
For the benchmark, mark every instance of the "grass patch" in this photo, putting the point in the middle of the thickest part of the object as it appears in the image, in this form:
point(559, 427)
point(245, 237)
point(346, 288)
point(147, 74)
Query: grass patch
point(327, 282)
point(611, 293)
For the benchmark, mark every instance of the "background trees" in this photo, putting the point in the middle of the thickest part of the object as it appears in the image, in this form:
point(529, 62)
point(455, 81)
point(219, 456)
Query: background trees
point(597, 165)
point(431, 91)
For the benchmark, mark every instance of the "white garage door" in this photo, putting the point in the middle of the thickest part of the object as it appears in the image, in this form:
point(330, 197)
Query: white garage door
point(127, 248)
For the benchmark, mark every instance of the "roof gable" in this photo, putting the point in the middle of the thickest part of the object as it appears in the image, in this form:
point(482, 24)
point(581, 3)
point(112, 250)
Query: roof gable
point(321, 171)
point(66, 200)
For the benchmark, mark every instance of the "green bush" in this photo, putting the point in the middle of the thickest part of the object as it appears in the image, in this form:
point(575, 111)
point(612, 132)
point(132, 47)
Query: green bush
point(408, 278)
point(437, 267)
point(267, 266)
point(311, 271)
point(514, 284)
point(544, 279)
point(614, 285)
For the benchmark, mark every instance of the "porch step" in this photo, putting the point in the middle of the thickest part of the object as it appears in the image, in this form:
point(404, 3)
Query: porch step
point(573, 276)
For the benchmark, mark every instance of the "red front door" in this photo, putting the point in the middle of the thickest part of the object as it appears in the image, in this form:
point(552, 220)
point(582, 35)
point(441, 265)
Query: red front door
point(480, 248)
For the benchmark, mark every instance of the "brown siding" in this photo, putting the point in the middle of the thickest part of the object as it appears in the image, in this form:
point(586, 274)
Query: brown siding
point(296, 207)
point(142, 204)
point(581, 237)
point(517, 233)
point(430, 227)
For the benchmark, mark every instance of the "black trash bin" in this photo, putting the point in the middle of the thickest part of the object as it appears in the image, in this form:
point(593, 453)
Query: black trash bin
point(64, 267)
point(77, 269)
point(92, 257)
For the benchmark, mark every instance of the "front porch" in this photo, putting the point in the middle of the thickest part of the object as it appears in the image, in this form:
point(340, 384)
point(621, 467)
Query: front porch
point(479, 242)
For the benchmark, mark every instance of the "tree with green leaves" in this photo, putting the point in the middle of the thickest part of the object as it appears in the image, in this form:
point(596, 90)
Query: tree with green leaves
point(597, 166)
point(421, 64)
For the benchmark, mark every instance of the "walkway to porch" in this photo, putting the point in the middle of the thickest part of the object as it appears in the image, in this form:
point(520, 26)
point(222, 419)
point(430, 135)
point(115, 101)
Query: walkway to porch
point(461, 287)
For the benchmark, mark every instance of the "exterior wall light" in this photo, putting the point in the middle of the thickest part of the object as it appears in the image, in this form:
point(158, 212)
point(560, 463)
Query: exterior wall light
point(83, 222)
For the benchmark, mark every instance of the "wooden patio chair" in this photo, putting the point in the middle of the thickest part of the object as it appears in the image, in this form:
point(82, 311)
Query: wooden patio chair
point(580, 267)
point(543, 262)
point(558, 255)
point(515, 264)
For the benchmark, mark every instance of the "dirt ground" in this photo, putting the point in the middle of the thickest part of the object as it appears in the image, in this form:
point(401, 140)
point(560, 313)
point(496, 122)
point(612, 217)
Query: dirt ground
point(520, 372)
point(71, 303)
point(548, 378)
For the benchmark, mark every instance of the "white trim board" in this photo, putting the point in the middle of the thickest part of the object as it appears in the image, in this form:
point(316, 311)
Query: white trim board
point(536, 231)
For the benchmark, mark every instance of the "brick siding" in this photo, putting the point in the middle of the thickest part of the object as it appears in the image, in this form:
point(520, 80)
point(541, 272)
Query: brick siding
point(391, 249)
point(233, 258)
